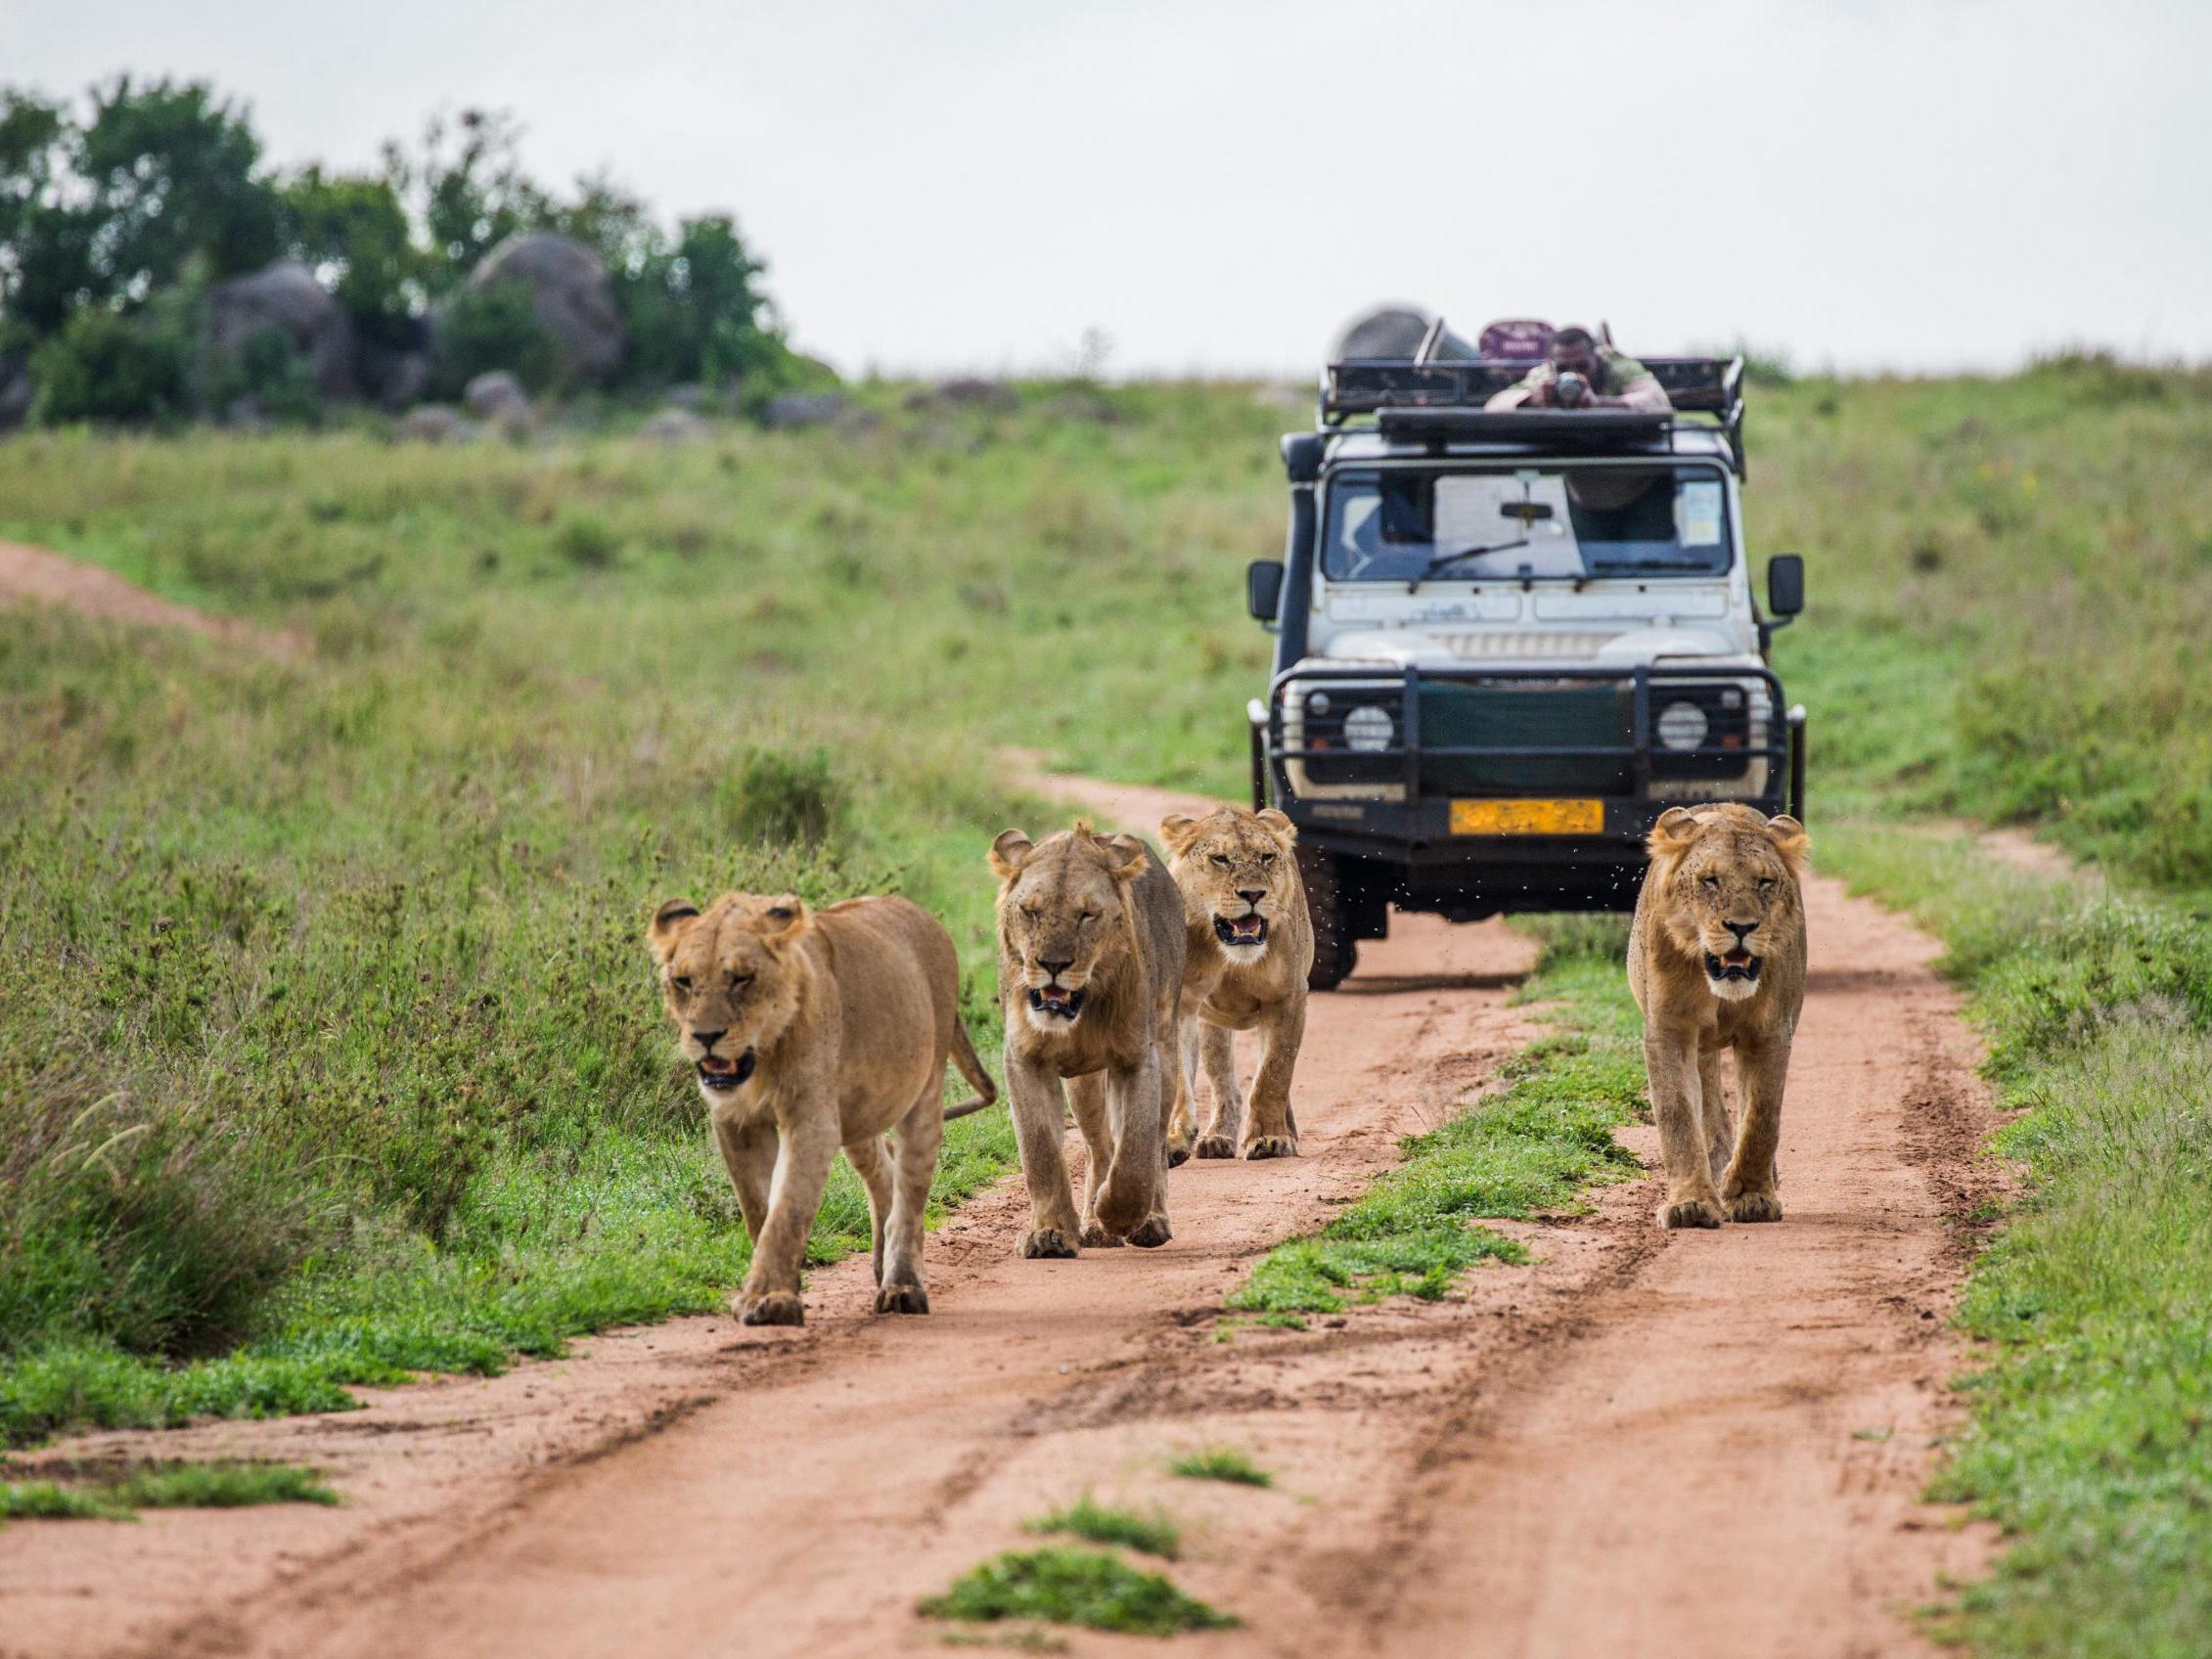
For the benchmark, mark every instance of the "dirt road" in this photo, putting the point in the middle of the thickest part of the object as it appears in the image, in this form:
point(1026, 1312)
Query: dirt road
point(1701, 1444)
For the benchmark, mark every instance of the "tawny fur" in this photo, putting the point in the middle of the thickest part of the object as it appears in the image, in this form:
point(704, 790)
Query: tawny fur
point(849, 1014)
point(1710, 865)
point(1217, 861)
point(1106, 907)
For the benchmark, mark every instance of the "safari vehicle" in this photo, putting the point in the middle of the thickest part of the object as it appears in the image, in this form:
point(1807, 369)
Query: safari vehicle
point(1506, 640)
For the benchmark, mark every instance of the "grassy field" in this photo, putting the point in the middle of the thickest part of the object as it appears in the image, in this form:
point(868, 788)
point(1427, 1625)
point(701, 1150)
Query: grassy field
point(327, 1045)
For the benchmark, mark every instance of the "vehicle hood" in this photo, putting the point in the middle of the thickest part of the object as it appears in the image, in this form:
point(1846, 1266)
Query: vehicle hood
point(1515, 648)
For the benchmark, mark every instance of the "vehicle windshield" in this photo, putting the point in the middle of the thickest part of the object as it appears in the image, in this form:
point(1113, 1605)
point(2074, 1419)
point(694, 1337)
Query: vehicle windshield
point(1408, 525)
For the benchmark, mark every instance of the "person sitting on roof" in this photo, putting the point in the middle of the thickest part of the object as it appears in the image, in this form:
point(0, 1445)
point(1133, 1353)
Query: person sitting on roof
point(1582, 373)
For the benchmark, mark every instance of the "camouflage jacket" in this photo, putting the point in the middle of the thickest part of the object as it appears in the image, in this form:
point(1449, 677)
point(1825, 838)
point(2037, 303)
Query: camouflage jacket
point(1618, 375)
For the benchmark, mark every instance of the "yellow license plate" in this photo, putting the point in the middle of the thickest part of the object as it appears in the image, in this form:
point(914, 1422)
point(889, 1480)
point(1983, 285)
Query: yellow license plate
point(1528, 818)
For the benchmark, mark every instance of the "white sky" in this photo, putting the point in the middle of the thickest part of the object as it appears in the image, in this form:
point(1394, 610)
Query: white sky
point(1216, 185)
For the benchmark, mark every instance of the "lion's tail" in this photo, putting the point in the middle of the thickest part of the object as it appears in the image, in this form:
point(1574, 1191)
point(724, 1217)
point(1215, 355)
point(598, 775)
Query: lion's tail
point(971, 1066)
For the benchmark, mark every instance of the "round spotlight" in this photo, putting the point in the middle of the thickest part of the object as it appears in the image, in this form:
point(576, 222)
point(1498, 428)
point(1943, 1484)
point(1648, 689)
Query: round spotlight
point(1681, 726)
point(1369, 729)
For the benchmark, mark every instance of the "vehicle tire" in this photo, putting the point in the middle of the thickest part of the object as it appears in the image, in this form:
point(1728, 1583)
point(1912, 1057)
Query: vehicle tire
point(1334, 950)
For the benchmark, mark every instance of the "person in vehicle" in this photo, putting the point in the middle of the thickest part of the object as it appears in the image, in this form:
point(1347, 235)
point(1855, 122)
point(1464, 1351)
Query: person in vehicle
point(1583, 374)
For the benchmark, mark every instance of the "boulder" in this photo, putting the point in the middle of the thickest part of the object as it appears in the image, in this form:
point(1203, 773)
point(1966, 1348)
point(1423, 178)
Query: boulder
point(968, 392)
point(437, 423)
point(571, 294)
point(790, 409)
point(1393, 331)
point(286, 299)
point(675, 426)
point(498, 397)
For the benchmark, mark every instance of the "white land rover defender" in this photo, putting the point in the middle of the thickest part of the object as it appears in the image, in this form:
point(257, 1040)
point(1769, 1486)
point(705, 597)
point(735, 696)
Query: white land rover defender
point(1506, 640)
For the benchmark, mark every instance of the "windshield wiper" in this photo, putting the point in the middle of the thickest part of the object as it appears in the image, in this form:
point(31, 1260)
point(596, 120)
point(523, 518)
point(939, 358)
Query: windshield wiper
point(1599, 568)
point(1440, 560)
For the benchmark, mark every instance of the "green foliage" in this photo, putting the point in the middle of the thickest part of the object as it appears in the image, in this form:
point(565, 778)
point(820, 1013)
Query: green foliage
point(105, 366)
point(1220, 1462)
point(1074, 1587)
point(494, 327)
point(1155, 1533)
point(112, 1495)
point(467, 187)
point(355, 228)
point(780, 796)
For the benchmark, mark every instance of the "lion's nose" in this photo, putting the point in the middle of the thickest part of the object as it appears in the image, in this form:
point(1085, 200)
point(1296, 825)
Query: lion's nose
point(1056, 968)
point(1742, 929)
point(708, 1038)
point(1252, 895)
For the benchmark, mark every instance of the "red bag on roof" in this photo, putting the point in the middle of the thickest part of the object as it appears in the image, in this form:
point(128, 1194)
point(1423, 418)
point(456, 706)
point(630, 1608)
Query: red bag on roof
point(1516, 340)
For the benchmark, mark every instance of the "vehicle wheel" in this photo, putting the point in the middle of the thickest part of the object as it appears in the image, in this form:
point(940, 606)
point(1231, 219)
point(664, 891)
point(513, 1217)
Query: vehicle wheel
point(1334, 950)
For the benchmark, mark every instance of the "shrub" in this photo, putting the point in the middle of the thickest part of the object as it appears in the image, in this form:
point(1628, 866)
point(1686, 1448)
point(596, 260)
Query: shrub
point(492, 328)
point(104, 366)
point(777, 797)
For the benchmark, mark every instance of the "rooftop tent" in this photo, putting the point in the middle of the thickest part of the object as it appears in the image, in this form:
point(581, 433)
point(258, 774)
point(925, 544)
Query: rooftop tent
point(1394, 333)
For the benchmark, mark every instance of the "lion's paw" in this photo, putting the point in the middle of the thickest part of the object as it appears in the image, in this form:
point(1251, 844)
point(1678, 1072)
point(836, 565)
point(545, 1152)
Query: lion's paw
point(1756, 1206)
point(779, 1306)
point(902, 1299)
point(1270, 1146)
point(1097, 1237)
point(1691, 1212)
point(1150, 1232)
point(1047, 1242)
point(1216, 1147)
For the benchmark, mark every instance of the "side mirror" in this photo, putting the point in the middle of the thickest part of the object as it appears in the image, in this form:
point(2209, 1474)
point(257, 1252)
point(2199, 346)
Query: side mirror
point(1263, 587)
point(1786, 586)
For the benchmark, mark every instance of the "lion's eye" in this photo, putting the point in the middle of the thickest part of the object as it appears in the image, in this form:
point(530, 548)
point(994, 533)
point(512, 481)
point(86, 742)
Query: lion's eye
point(738, 981)
point(1766, 883)
point(1088, 916)
point(1267, 858)
point(1712, 881)
point(682, 984)
point(1221, 859)
point(1031, 912)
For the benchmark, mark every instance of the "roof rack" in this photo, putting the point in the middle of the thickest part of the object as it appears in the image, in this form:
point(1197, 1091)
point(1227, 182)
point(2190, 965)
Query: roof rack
point(1421, 397)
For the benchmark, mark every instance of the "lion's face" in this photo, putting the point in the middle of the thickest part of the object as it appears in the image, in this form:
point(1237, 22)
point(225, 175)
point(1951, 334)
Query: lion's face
point(1732, 889)
point(730, 979)
point(1238, 874)
point(1063, 913)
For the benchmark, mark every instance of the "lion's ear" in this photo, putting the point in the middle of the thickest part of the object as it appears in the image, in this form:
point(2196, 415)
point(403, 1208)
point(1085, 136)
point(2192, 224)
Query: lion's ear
point(1127, 858)
point(1676, 829)
point(1009, 852)
point(1278, 825)
point(1789, 836)
point(668, 923)
point(1177, 830)
point(784, 920)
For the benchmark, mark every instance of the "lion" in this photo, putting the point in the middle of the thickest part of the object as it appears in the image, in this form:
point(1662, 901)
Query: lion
point(811, 1030)
point(1248, 949)
point(1090, 935)
point(1716, 959)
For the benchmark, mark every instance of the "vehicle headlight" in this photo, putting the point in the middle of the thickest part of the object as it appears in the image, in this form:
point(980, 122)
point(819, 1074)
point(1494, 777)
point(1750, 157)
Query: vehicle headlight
point(1369, 729)
point(1681, 726)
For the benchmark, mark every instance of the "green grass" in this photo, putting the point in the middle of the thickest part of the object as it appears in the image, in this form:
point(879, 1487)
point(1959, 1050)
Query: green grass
point(165, 1486)
point(1220, 1462)
point(2088, 1440)
point(1526, 1148)
point(1155, 1533)
point(1074, 1587)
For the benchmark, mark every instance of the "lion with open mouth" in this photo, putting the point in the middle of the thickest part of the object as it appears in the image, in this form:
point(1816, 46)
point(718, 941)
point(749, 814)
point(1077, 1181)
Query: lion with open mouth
point(1716, 957)
point(1248, 951)
point(1090, 975)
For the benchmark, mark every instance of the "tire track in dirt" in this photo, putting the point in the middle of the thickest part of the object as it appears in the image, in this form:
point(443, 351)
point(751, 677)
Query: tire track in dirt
point(1640, 1445)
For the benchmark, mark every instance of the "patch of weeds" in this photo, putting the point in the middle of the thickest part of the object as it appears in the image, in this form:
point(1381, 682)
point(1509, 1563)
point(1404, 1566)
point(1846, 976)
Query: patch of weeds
point(1155, 1534)
point(587, 542)
point(1074, 1587)
point(113, 1496)
point(1525, 1149)
point(1220, 1462)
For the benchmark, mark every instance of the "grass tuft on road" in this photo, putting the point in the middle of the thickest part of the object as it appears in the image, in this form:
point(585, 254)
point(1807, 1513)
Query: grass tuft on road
point(1222, 1464)
point(1529, 1147)
point(1074, 1587)
point(1155, 1533)
point(112, 1496)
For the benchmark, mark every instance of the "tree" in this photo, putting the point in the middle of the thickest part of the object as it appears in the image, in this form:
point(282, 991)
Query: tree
point(467, 187)
point(352, 231)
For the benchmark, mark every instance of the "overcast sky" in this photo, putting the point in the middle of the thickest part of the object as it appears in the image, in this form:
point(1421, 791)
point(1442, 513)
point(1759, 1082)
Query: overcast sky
point(1215, 186)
